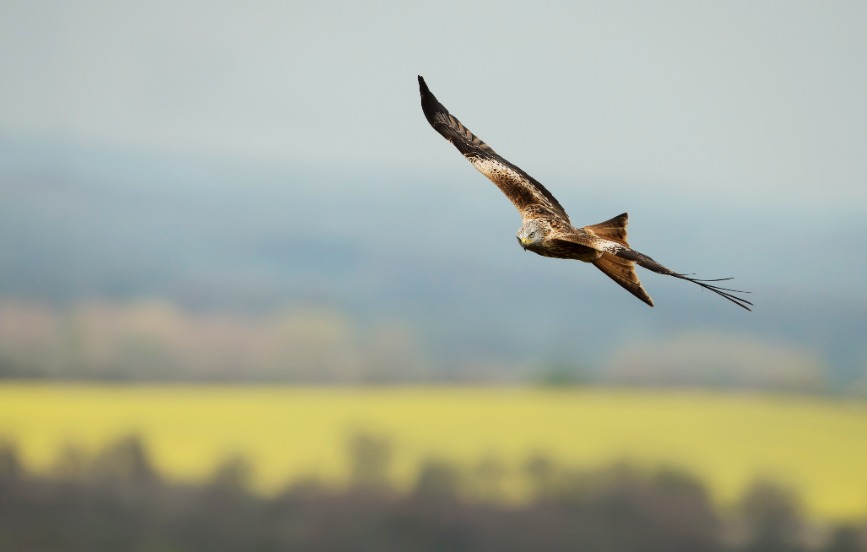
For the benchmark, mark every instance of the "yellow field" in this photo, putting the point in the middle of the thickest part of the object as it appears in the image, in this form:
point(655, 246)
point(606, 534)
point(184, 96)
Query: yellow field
point(817, 446)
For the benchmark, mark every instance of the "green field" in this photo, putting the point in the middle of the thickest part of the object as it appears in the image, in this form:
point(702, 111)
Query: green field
point(817, 446)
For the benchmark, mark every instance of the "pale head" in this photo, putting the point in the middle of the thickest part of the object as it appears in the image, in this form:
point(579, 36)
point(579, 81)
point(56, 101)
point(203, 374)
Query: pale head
point(532, 233)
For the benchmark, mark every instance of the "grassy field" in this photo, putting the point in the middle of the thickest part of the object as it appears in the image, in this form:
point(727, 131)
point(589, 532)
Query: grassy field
point(817, 446)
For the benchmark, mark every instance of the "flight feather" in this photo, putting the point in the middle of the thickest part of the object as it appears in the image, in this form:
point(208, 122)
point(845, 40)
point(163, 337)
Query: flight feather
point(526, 193)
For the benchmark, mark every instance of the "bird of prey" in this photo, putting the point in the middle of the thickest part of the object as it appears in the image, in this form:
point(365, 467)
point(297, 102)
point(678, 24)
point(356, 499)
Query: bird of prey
point(546, 229)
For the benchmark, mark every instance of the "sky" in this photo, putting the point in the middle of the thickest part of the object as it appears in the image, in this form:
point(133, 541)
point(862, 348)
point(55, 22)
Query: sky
point(734, 134)
point(724, 102)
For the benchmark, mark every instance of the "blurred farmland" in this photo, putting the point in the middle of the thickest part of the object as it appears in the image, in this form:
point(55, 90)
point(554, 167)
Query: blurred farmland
point(293, 433)
point(115, 499)
point(254, 468)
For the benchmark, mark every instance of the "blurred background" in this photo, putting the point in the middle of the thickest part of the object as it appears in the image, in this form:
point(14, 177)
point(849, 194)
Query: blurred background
point(242, 279)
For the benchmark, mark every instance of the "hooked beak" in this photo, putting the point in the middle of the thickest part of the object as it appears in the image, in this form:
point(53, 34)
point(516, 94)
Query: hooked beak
point(522, 242)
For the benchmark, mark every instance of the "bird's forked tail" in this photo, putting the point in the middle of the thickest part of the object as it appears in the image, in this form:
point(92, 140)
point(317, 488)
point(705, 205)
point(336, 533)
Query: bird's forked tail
point(619, 265)
point(619, 269)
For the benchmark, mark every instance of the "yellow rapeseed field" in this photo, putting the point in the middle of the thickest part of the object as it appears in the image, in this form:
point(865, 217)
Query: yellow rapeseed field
point(818, 446)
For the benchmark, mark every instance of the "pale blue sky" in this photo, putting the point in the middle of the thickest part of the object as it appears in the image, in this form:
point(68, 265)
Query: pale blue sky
point(734, 133)
point(765, 100)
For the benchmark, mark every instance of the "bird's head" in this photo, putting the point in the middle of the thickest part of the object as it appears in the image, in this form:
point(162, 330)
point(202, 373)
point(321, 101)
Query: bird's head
point(532, 233)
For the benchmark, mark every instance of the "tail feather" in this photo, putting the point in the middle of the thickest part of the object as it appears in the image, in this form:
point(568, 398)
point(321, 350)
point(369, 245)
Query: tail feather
point(612, 229)
point(622, 271)
point(619, 269)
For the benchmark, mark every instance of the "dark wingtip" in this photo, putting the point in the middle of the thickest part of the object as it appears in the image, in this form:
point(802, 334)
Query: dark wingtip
point(728, 293)
point(429, 103)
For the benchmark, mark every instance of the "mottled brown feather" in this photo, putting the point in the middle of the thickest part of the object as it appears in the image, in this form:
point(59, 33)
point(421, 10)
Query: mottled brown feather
point(528, 195)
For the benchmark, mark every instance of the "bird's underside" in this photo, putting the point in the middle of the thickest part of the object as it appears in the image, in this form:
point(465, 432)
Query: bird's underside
point(546, 229)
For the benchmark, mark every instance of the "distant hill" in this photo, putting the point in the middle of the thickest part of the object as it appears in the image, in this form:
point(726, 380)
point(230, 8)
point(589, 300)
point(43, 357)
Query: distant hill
point(432, 254)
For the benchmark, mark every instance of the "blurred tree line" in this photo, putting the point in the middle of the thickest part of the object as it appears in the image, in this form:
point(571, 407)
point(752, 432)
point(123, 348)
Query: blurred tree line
point(157, 340)
point(116, 500)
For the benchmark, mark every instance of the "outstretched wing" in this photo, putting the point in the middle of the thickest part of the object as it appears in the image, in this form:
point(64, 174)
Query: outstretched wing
point(527, 194)
point(648, 263)
point(617, 260)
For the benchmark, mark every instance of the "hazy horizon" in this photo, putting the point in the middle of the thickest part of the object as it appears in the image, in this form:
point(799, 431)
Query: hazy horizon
point(274, 154)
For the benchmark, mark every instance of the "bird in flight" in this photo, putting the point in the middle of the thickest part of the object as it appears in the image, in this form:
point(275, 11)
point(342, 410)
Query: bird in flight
point(546, 229)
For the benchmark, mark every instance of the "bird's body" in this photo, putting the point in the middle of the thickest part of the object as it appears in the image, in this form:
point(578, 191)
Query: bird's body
point(553, 238)
point(546, 229)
